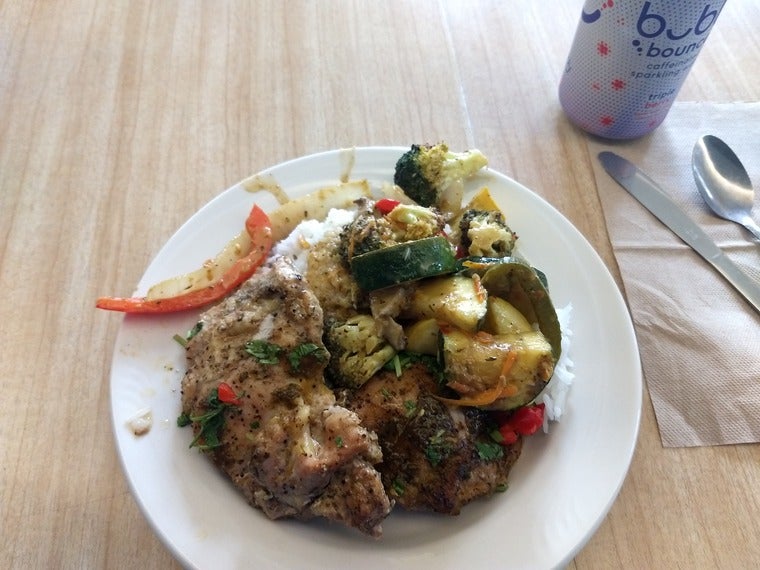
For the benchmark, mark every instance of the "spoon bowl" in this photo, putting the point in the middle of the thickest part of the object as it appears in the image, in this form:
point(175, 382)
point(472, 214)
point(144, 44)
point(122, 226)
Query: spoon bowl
point(723, 182)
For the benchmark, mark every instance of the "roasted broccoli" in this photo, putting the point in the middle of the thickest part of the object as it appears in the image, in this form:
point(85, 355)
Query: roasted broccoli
point(486, 234)
point(412, 222)
point(357, 351)
point(429, 174)
point(367, 232)
point(372, 230)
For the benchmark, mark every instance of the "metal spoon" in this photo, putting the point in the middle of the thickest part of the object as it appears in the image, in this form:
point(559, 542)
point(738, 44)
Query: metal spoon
point(723, 182)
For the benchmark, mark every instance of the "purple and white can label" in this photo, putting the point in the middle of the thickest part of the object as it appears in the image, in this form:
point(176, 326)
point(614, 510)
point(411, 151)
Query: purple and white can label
point(628, 61)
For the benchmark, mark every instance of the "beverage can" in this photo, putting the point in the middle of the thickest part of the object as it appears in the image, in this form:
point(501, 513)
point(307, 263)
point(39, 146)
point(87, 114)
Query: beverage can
point(629, 59)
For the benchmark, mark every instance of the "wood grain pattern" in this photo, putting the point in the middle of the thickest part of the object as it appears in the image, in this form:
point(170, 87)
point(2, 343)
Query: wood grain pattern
point(118, 120)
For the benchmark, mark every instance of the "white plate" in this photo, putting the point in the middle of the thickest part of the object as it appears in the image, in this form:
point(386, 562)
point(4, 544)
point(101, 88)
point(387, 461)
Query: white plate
point(561, 488)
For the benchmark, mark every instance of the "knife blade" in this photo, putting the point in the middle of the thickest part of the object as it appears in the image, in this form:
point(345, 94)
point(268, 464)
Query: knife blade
point(656, 200)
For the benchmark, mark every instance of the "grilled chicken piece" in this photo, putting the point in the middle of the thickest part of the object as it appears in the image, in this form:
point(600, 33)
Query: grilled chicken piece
point(331, 280)
point(288, 447)
point(431, 455)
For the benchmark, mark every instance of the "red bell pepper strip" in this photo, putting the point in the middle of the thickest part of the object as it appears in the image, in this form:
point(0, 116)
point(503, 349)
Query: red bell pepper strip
point(524, 421)
point(259, 229)
point(527, 420)
point(386, 205)
point(227, 395)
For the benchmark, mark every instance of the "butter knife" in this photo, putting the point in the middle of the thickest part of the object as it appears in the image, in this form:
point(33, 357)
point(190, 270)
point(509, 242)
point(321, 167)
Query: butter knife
point(646, 191)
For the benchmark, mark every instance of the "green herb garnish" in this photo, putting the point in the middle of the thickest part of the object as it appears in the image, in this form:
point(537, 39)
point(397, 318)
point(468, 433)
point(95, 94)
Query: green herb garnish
point(488, 450)
point(300, 352)
point(194, 331)
point(263, 351)
point(437, 448)
point(183, 340)
point(210, 423)
point(495, 435)
point(403, 360)
point(269, 353)
point(338, 441)
point(395, 365)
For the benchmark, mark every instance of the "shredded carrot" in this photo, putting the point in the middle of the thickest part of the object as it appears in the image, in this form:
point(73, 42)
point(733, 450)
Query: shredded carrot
point(475, 265)
point(506, 365)
point(480, 292)
point(484, 337)
point(489, 396)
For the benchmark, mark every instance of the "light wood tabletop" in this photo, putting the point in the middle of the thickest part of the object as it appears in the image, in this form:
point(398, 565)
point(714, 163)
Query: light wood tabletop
point(119, 120)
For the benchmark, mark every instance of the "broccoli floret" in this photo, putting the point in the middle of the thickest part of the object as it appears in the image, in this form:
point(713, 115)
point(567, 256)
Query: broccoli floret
point(371, 230)
point(486, 234)
point(357, 351)
point(415, 222)
point(366, 233)
point(428, 173)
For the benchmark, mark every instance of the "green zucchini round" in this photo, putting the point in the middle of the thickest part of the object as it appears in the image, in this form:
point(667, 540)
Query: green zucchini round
point(404, 262)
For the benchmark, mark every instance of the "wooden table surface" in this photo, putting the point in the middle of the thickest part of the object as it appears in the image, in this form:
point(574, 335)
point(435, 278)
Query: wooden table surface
point(118, 120)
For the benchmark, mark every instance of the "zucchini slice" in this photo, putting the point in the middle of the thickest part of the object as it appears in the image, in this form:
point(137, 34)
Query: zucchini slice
point(422, 337)
point(519, 284)
point(402, 263)
point(475, 363)
point(454, 299)
point(502, 317)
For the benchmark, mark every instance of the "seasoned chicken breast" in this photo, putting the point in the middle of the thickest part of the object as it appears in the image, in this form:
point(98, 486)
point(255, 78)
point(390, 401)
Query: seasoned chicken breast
point(331, 281)
point(287, 445)
point(436, 457)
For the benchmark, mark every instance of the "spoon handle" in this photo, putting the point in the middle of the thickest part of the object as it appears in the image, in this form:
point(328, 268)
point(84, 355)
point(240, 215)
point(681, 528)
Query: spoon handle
point(750, 224)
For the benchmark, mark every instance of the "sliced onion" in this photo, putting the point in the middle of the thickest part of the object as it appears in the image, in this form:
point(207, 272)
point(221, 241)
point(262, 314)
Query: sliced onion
point(315, 206)
point(211, 271)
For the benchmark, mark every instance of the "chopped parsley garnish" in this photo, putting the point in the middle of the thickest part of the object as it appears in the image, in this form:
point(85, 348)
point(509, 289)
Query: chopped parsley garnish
point(495, 435)
point(263, 351)
point(398, 487)
point(195, 330)
point(403, 360)
point(411, 407)
point(338, 441)
point(269, 352)
point(488, 450)
point(437, 448)
point(210, 423)
point(395, 365)
point(306, 349)
point(183, 340)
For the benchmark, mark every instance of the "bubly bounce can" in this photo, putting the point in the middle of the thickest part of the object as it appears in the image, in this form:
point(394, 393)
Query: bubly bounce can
point(628, 61)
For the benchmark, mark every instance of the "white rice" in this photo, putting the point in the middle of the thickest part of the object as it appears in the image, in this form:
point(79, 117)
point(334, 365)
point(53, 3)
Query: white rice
point(307, 233)
point(555, 395)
